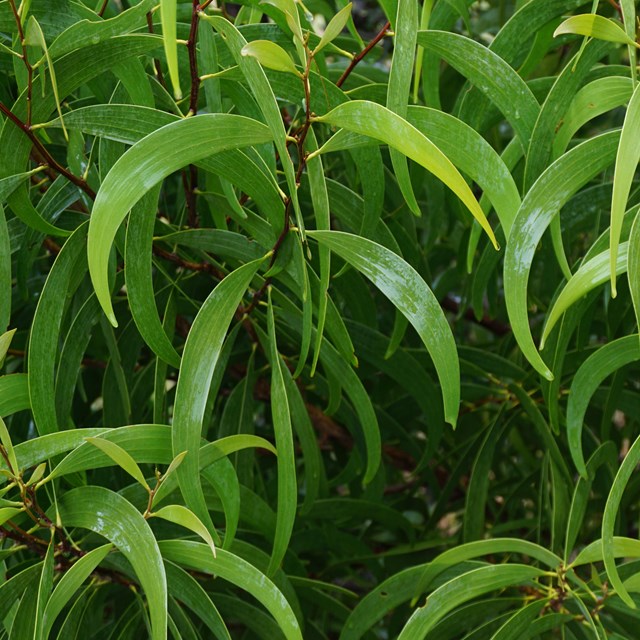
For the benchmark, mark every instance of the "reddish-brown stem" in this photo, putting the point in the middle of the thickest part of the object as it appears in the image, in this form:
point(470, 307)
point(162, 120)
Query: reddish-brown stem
point(204, 5)
point(103, 8)
point(25, 58)
point(205, 267)
point(48, 158)
point(358, 57)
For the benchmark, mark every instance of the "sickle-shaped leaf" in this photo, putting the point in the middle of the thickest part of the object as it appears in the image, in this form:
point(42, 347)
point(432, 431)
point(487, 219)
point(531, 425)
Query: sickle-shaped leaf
point(590, 375)
point(633, 266)
point(612, 505)
point(626, 165)
point(376, 121)
point(110, 515)
point(197, 556)
point(201, 353)
point(147, 162)
point(410, 294)
point(461, 589)
point(543, 201)
point(594, 26)
point(589, 276)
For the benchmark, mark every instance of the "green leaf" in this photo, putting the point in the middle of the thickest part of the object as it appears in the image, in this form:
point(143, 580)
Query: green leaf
point(110, 515)
point(626, 165)
point(461, 589)
point(168, 16)
point(121, 458)
point(491, 74)
point(199, 359)
point(70, 582)
point(5, 439)
point(590, 275)
point(185, 518)
point(370, 119)
point(334, 28)
point(589, 377)
point(543, 201)
point(5, 343)
point(144, 165)
point(612, 505)
point(34, 36)
point(411, 295)
point(633, 266)
point(7, 513)
point(270, 55)
point(230, 567)
point(281, 418)
point(594, 26)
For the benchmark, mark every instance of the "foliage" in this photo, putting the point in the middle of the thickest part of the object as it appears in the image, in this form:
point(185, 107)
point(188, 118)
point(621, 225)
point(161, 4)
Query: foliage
point(319, 320)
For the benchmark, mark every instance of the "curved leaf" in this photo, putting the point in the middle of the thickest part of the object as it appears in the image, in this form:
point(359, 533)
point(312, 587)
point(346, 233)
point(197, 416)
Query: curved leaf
point(376, 121)
point(411, 295)
point(110, 515)
point(144, 165)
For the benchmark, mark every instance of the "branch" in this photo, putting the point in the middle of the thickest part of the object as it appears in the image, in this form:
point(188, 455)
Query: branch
point(48, 158)
point(357, 58)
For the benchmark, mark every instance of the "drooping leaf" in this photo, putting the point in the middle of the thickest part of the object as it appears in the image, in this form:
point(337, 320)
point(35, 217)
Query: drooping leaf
point(178, 514)
point(411, 295)
point(146, 163)
point(121, 458)
point(270, 55)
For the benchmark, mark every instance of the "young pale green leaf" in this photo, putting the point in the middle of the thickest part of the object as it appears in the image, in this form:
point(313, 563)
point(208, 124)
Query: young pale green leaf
point(591, 373)
point(34, 36)
point(410, 294)
point(334, 28)
point(5, 343)
point(70, 582)
point(612, 505)
point(376, 121)
point(146, 163)
point(594, 26)
point(590, 275)
point(461, 589)
point(175, 463)
point(270, 55)
point(626, 165)
point(121, 458)
point(281, 418)
point(197, 556)
point(168, 16)
point(199, 360)
point(5, 439)
point(178, 514)
point(112, 516)
point(628, 9)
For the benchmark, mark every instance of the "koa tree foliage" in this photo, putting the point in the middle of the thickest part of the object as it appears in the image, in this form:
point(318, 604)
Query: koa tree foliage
point(319, 320)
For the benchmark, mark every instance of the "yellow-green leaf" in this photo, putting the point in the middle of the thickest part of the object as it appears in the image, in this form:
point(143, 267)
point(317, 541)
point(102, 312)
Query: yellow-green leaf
point(186, 518)
point(121, 458)
point(169, 37)
point(335, 27)
point(376, 121)
point(594, 26)
point(5, 438)
point(270, 55)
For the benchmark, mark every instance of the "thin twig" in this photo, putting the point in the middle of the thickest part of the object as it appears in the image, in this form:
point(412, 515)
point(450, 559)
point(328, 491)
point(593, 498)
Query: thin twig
point(103, 8)
point(49, 159)
point(358, 57)
point(25, 58)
